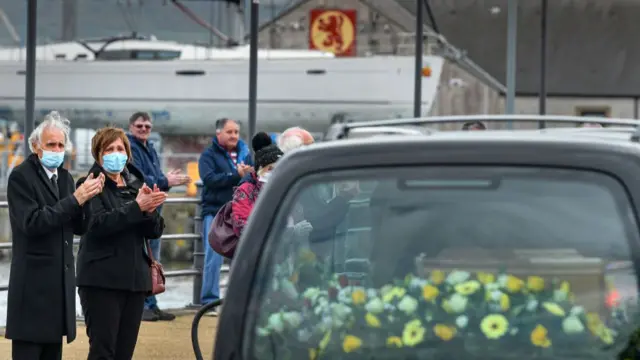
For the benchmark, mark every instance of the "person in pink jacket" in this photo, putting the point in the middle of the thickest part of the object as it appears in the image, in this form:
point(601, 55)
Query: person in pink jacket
point(246, 194)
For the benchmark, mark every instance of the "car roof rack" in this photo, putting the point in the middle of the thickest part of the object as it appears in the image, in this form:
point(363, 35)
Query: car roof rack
point(392, 130)
point(342, 130)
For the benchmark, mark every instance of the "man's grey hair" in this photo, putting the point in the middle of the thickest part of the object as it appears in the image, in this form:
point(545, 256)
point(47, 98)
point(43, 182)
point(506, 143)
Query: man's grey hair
point(52, 120)
point(221, 123)
point(290, 139)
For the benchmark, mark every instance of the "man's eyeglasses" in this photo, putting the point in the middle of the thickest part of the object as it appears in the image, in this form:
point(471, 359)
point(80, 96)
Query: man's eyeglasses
point(143, 126)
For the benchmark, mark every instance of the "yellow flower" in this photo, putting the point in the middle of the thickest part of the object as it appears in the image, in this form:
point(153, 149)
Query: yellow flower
point(539, 337)
point(413, 333)
point(407, 279)
point(393, 293)
point(564, 286)
point(430, 292)
point(553, 308)
point(372, 320)
point(535, 283)
point(437, 277)
point(468, 287)
point(294, 278)
point(351, 343)
point(597, 328)
point(593, 322)
point(359, 297)
point(313, 354)
point(505, 302)
point(446, 306)
point(514, 284)
point(606, 335)
point(307, 256)
point(325, 340)
point(444, 332)
point(486, 278)
point(394, 341)
point(494, 326)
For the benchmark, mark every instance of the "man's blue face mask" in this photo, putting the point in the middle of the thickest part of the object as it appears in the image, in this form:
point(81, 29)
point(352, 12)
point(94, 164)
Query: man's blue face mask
point(52, 159)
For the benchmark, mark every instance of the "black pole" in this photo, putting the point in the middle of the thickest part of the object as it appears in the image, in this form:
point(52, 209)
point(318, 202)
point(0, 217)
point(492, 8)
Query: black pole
point(253, 67)
point(543, 62)
point(417, 90)
point(30, 81)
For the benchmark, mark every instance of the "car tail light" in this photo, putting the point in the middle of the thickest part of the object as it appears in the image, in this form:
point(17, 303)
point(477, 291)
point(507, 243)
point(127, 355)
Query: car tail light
point(613, 298)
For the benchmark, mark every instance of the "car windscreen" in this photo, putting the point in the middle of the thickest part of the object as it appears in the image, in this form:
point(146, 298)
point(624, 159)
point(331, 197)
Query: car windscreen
point(450, 262)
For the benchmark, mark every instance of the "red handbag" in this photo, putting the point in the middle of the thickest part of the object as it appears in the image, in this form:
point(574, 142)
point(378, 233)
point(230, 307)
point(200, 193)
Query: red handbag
point(158, 279)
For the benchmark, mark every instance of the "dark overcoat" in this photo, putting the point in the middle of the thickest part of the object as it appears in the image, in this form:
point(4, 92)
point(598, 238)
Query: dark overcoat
point(41, 301)
point(112, 251)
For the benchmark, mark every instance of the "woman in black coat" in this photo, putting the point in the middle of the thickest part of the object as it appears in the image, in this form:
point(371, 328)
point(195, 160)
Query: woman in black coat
point(113, 276)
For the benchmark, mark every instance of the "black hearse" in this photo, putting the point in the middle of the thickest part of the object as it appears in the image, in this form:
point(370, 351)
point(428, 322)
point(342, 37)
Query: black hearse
point(457, 245)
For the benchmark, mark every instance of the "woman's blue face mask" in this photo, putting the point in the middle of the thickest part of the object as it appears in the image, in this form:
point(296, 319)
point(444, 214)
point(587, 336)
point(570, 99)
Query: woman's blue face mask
point(115, 162)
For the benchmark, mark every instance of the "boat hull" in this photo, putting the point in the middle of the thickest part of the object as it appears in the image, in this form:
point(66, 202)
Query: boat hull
point(186, 97)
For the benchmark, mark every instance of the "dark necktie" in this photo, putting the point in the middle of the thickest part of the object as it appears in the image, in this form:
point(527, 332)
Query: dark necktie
point(54, 182)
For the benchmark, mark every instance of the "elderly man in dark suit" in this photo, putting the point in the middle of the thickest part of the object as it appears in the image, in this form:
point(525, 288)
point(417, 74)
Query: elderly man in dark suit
point(45, 210)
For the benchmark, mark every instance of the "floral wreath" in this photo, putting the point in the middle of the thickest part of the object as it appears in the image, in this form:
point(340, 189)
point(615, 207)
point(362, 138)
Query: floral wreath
point(452, 311)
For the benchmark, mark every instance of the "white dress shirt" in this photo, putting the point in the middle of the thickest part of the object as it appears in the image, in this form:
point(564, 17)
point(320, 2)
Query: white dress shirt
point(50, 173)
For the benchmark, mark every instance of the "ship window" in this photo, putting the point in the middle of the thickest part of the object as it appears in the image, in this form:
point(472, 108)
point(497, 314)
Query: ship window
point(138, 55)
point(168, 55)
point(157, 55)
point(114, 55)
point(145, 55)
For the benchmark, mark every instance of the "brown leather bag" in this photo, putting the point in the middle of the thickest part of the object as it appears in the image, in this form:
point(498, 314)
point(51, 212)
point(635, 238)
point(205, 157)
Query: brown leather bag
point(157, 273)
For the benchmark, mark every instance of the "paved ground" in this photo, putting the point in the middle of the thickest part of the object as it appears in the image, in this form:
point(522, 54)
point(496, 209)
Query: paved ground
point(157, 341)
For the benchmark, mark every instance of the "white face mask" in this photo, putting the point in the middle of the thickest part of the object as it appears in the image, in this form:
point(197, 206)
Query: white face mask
point(264, 177)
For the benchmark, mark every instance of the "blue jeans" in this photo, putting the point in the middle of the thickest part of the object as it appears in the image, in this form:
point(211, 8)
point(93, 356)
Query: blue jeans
point(212, 265)
point(150, 302)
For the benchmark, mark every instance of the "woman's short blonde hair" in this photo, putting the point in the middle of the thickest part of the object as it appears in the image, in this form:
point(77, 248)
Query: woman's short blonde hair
point(105, 137)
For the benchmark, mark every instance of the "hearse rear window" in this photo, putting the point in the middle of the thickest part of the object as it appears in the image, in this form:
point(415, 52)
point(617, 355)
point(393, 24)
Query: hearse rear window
point(450, 262)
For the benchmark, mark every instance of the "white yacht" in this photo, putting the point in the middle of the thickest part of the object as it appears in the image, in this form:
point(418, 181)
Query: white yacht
point(128, 48)
point(186, 87)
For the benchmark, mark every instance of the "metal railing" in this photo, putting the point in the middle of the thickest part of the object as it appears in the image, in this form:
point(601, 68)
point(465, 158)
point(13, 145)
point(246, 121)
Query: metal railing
point(196, 236)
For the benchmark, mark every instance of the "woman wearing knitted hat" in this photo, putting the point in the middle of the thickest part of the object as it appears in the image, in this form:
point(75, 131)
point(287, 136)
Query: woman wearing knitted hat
point(245, 195)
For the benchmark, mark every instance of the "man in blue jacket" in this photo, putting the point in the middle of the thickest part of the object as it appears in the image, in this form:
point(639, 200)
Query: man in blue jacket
point(221, 167)
point(145, 158)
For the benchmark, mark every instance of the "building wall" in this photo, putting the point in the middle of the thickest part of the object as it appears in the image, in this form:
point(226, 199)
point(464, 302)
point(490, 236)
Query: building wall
point(459, 93)
point(617, 107)
point(375, 34)
point(610, 107)
point(379, 35)
point(592, 46)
